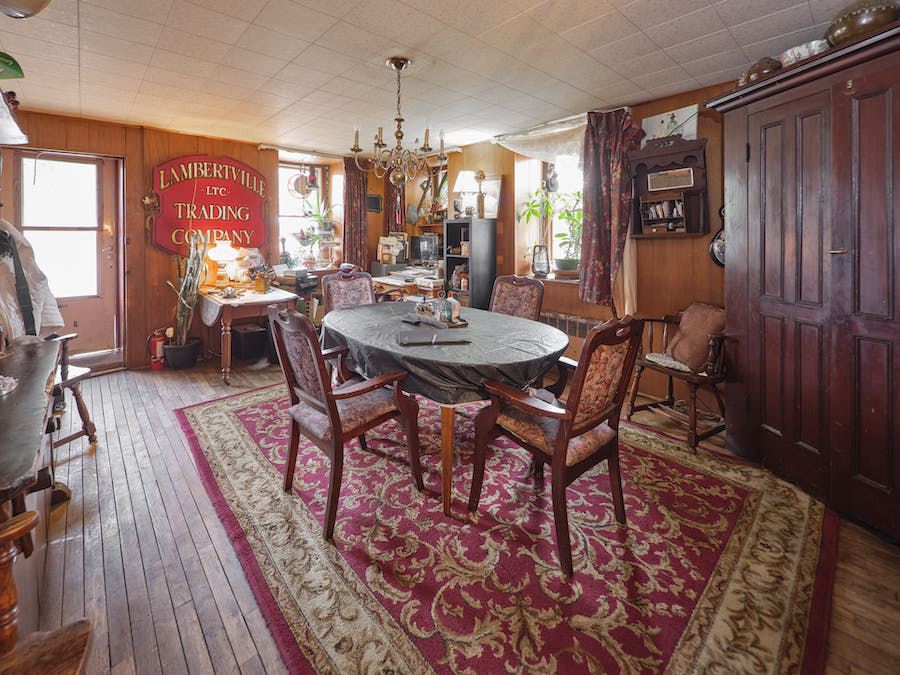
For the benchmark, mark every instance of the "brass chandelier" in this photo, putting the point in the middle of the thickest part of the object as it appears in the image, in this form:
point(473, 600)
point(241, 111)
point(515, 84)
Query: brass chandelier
point(397, 163)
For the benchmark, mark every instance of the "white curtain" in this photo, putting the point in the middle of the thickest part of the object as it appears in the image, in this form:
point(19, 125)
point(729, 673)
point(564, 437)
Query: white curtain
point(548, 141)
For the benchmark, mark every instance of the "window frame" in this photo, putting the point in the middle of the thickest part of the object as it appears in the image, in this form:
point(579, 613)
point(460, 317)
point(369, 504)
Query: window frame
point(19, 186)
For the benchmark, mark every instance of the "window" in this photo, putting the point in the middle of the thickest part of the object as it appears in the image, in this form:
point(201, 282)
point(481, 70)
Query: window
point(60, 199)
point(567, 200)
point(302, 204)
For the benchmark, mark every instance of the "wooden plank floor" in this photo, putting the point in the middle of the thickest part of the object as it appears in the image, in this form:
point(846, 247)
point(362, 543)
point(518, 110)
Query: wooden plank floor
point(140, 551)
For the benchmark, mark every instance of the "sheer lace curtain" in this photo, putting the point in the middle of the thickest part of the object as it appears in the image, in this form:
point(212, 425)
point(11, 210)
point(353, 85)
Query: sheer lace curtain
point(548, 141)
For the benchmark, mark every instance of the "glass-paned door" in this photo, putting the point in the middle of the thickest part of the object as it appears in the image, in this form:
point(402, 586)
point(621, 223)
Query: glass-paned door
point(68, 212)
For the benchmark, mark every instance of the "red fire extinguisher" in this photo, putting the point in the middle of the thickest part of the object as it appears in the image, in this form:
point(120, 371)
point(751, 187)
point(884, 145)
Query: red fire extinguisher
point(155, 343)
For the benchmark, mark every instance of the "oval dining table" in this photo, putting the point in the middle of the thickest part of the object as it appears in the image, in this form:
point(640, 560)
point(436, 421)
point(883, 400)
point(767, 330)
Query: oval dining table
point(507, 349)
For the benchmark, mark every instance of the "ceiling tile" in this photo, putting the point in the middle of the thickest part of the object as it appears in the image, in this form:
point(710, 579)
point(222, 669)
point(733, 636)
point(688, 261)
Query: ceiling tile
point(561, 15)
point(647, 13)
point(205, 22)
point(685, 27)
point(164, 61)
point(619, 51)
point(174, 40)
point(122, 26)
point(283, 16)
point(40, 28)
point(245, 10)
point(114, 66)
point(714, 43)
point(734, 12)
point(325, 60)
point(785, 21)
point(106, 79)
point(601, 31)
point(645, 65)
point(711, 64)
point(26, 46)
point(774, 46)
point(253, 62)
point(61, 11)
point(469, 16)
point(335, 8)
point(152, 10)
point(271, 43)
point(826, 10)
point(303, 76)
point(108, 45)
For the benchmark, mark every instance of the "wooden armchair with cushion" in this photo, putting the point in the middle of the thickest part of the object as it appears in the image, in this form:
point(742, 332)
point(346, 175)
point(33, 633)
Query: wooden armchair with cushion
point(693, 351)
point(575, 436)
point(330, 416)
point(517, 296)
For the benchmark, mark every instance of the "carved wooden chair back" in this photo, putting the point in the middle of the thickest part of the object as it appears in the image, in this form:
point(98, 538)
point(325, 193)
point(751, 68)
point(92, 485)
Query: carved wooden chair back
point(517, 296)
point(347, 289)
point(604, 370)
point(301, 359)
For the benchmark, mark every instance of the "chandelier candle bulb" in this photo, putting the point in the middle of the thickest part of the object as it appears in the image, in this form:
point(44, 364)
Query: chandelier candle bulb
point(425, 144)
point(380, 138)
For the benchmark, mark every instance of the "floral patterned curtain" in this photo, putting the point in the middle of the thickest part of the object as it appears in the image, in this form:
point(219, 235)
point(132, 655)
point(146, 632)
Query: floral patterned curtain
point(607, 202)
point(355, 214)
point(394, 207)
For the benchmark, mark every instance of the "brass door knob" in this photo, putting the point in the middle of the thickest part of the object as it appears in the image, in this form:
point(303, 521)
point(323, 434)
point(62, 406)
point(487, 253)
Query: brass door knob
point(838, 251)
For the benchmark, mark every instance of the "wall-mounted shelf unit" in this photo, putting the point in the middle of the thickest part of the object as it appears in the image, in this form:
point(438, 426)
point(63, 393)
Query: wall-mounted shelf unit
point(669, 177)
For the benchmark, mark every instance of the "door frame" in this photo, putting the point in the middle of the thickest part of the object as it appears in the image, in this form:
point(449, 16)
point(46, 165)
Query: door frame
point(106, 359)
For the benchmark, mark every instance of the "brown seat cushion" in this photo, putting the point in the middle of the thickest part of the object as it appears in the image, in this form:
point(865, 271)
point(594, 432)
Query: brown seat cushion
point(690, 344)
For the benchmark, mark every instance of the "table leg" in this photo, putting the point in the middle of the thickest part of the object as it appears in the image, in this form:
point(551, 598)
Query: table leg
point(448, 422)
point(226, 345)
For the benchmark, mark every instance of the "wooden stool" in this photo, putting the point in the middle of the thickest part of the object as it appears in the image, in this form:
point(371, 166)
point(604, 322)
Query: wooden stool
point(70, 377)
point(59, 652)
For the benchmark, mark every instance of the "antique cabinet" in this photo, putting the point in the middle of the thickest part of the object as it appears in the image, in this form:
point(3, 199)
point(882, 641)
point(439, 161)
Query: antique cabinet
point(812, 161)
point(481, 259)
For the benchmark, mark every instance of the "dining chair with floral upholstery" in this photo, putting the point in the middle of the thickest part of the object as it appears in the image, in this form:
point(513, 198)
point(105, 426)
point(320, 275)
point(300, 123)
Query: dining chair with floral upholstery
point(517, 296)
point(351, 287)
point(331, 416)
point(574, 435)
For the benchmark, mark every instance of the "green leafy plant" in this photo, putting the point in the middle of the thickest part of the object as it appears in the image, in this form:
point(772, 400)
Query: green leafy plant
point(190, 276)
point(321, 213)
point(570, 211)
point(540, 207)
point(563, 208)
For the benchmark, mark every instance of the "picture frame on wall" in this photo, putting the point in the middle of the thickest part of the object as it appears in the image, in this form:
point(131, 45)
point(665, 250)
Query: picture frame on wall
point(682, 121)
point(491, 186)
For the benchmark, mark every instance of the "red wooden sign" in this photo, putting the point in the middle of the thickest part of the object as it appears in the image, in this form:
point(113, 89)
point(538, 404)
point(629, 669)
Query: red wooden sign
point(218, 198)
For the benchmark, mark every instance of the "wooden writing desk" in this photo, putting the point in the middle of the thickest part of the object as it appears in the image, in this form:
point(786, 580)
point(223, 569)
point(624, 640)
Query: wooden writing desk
point(213, 307)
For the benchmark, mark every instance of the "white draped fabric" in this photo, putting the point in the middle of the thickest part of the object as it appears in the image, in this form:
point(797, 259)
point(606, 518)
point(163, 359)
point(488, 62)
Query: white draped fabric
point(548, 141)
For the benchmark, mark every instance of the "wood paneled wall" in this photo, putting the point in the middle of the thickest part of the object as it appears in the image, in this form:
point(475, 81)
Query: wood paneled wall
point(149, 302)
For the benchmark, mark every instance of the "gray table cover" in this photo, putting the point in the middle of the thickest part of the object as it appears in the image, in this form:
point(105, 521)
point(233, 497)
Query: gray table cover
point(504, 348)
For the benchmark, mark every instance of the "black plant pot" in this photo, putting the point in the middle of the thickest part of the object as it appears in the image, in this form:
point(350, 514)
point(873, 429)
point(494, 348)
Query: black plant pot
point(180, 357)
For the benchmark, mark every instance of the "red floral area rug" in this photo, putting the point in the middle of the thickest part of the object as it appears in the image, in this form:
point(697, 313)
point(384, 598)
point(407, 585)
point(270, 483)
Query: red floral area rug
point(721, 567)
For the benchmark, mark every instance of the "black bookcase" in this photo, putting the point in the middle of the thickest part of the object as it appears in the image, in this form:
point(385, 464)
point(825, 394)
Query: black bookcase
point(481, 234)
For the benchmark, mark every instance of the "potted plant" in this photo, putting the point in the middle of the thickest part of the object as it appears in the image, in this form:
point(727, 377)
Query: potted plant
point(569, 211)
point(182, 352)
point(540, 206)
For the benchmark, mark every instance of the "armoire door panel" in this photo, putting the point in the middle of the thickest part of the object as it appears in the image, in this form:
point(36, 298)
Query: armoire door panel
point(772, 199)
point(872, 419)
point(789, 301)
point(810, 200)
point(809, 407)
point(872, 174)
point(771, 361)
point(865, 399)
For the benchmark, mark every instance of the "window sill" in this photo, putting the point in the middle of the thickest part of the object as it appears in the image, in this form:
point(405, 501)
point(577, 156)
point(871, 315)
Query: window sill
point(552, 278)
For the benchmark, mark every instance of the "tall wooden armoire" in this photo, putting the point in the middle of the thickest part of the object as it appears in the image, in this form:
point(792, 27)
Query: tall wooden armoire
point(812, 284)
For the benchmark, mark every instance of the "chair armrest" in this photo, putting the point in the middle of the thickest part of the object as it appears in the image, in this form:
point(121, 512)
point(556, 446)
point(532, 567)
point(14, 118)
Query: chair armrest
point(715, 358)
point(64, 338)
point(334, 352)
point(364, 387)
point(563, 366)
point(526, 403)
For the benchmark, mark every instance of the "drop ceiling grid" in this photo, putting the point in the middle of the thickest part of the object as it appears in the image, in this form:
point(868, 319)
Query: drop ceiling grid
point(303, 72)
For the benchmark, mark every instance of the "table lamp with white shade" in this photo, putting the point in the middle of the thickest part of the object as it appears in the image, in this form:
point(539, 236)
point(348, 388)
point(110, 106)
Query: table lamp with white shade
point(466, 184)
point(222, 254)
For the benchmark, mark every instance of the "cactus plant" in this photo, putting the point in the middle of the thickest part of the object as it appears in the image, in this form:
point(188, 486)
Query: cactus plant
point(190, 276)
